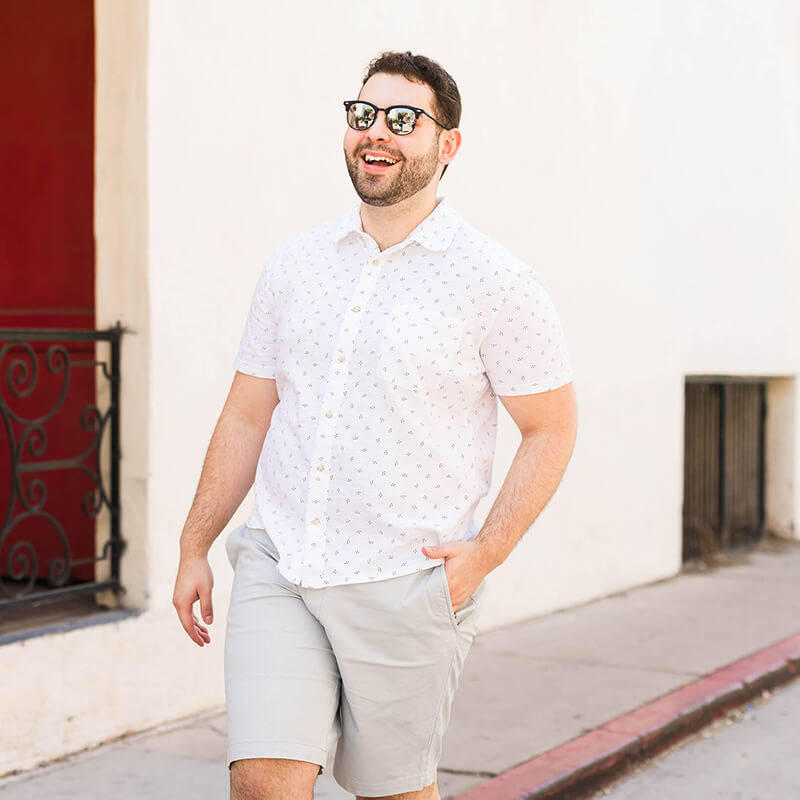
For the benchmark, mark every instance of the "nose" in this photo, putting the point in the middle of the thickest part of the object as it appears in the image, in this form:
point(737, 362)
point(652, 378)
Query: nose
point(378, 130)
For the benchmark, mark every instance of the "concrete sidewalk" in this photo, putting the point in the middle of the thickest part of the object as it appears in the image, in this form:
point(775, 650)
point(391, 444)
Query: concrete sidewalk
point(526, 688)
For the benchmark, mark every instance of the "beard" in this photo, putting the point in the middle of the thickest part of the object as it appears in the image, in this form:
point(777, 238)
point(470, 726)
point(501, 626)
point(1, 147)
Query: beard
point(410, 176)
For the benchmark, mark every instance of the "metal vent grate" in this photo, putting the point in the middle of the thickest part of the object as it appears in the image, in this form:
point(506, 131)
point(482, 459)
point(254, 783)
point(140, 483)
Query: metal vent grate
point(723, 478)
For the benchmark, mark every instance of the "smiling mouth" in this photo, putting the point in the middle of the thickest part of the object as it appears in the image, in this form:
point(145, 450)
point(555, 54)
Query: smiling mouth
point(378, 161)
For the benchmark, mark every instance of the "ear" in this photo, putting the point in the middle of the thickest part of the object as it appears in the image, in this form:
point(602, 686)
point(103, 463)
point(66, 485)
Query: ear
point(449, 142)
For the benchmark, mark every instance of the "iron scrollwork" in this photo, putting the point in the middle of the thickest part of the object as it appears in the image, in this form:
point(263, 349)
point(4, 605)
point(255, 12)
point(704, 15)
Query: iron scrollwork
point(26, 436)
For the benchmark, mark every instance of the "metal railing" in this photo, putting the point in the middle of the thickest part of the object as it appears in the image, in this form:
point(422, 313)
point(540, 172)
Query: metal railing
point(39, 558)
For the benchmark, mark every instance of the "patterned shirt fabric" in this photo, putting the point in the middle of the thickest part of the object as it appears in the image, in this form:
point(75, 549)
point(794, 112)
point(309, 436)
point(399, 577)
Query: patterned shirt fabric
point(388, 366)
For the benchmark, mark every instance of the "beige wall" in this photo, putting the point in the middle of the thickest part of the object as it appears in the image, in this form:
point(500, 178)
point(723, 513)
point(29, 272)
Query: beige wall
point(782, 499)
point(643, 158)
point(122, 291)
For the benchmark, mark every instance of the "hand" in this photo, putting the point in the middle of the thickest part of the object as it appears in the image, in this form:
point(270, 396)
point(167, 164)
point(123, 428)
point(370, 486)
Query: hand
point(465, 567)
point(194, 582)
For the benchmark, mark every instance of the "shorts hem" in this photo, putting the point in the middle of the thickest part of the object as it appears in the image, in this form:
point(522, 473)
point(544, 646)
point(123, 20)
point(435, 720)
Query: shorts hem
point(276, 748)
point(410, 783)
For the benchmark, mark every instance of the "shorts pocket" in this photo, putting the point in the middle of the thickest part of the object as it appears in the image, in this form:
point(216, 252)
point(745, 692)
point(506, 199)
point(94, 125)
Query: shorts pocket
point(466, 609)
point(234, 542)
point(418, 346)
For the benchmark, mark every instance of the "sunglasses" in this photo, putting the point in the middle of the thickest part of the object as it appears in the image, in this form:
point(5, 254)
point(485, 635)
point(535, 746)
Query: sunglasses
point(400, 120)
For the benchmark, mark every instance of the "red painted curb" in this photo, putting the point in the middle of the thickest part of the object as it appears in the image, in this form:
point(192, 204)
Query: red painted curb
point(615, 746)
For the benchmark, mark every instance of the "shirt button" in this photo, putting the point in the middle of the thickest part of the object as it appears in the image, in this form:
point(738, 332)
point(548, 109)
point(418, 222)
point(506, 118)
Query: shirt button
point(329, 414)
point(315, 521)
point(356, 308)
point(341, 356)
point(375, 262)
point(321, 468)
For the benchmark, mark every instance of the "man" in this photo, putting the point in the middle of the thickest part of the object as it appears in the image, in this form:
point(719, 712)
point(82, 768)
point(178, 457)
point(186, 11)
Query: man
point(364, 409)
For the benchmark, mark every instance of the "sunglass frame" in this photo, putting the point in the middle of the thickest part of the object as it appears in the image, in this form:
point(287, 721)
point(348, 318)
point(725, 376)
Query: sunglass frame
point(376, 109)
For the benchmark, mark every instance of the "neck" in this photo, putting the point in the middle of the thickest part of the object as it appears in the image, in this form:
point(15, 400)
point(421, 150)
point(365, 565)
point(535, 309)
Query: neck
point(389, 225)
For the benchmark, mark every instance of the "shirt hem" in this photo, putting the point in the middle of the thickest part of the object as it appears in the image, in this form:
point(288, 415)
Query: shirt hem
point(356, 579)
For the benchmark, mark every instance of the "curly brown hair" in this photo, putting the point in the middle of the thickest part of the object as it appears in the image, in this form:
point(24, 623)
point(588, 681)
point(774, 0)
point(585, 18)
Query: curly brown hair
point(422, 69)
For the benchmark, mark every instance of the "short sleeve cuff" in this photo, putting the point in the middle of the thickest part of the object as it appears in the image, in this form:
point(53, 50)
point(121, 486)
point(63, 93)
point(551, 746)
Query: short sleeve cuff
point(256, 370)
point(547, 385)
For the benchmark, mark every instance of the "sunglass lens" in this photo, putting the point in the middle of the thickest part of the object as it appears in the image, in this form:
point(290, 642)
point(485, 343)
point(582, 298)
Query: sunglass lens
point(360, 116)
point(401, 120)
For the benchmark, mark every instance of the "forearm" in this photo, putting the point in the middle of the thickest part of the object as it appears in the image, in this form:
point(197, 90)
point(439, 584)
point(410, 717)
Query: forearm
point(532, 478)
point(228, 473)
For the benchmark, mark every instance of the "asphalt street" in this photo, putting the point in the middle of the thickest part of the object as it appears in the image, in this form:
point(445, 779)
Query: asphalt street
point(749, 754)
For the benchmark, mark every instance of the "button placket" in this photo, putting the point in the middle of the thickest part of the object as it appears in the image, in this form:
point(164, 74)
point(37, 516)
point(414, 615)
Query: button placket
point(319, 474)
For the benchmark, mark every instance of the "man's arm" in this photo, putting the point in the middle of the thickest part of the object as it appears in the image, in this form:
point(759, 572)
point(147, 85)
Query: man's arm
point(228, 473)
point(548, 422)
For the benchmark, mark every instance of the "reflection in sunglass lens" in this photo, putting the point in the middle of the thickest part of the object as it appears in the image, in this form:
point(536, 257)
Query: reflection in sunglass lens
point(360, 116)
point(401, 120)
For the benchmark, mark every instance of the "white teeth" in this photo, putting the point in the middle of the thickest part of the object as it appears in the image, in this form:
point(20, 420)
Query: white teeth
point(370, 159)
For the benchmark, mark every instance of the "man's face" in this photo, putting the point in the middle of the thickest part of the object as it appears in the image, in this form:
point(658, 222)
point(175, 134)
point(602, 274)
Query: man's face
point(416, 154)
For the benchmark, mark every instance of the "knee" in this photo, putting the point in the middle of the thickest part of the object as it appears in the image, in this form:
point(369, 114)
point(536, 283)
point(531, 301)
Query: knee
point(272, 779)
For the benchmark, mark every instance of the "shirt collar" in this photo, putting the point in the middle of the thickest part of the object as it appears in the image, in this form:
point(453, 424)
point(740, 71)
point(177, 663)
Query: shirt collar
point(435, 232)
point(349, 223)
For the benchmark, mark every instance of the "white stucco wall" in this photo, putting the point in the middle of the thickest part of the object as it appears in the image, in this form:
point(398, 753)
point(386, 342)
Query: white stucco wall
point(630, 171)
point(644, 161)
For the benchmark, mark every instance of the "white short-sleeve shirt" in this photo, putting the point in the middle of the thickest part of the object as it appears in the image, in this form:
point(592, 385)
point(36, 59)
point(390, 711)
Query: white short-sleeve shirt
point(388, 366)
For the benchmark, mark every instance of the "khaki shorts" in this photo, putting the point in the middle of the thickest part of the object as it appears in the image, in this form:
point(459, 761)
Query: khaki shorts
point(369, 669)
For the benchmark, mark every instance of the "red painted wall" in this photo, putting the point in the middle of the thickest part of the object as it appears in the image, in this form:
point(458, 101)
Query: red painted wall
point(47, 251)
point(47, 163)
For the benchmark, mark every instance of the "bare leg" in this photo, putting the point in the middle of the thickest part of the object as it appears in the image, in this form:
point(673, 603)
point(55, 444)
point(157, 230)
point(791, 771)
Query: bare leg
point(273, 779)
point(430, 792)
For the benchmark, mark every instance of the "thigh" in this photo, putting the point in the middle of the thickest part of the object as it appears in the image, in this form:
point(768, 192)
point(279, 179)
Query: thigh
point(282, 683)
point(400, 650)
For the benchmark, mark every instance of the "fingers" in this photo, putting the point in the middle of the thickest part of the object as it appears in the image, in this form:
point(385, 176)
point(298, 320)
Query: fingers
point(201, 630)
point(196, 631)
point(206, 608)
point(185, 616)
point(189, 622)
point(194, 582)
